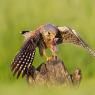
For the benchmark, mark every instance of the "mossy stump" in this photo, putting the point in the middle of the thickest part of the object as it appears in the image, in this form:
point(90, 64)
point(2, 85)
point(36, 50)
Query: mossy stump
point(53, 72)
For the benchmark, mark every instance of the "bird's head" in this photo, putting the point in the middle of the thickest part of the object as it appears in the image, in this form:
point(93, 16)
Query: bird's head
point(49, 32)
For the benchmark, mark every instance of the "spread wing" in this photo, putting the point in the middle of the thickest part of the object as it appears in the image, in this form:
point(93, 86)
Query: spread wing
point(70, 36)
point(24, 58)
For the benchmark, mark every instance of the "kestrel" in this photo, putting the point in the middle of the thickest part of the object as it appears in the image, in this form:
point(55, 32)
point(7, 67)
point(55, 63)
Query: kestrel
point(45, 36)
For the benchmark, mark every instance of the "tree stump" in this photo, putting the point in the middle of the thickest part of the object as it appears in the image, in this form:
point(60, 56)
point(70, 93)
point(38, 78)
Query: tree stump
point(53, 72)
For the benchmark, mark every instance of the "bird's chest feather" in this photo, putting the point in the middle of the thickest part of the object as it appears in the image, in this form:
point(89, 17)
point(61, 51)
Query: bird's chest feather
point(48, 42)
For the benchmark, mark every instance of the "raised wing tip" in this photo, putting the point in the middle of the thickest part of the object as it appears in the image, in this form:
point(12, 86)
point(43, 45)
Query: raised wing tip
point(24, 32)
point(63, 28)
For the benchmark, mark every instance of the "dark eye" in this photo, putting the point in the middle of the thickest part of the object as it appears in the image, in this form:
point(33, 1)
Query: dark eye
point(49, 33)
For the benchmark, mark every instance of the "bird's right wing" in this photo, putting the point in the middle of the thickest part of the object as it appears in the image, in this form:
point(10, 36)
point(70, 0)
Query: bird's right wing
point(70, 36)
point(24, 58)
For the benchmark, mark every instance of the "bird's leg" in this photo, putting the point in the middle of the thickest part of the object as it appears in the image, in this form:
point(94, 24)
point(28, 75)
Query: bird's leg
point(45, 55)
point(53, 50)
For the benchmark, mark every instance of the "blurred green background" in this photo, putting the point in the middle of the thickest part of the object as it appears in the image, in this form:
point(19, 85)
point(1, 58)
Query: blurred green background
point(18, 15)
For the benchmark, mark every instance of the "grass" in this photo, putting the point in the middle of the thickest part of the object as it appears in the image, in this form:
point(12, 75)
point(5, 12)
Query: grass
point(18, 15)
point(21, 88)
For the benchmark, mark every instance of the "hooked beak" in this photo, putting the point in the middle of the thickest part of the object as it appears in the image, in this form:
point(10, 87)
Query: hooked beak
point(55, 40)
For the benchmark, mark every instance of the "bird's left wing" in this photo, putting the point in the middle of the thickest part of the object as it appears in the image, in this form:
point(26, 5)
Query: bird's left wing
point(69, 35)
point(24, 58)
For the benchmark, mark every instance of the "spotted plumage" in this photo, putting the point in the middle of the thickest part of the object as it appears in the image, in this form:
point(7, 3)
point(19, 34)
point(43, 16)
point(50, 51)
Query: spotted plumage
point(45, 36)
point(24, 58)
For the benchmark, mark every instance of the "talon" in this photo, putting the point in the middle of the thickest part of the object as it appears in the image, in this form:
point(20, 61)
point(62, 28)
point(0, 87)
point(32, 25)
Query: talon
point(52, 58)
point(55, 57)
point(49, 58)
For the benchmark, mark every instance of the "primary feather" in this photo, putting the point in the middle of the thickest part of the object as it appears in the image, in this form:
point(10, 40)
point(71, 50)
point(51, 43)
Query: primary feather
point(24, 58)
point(70, 36)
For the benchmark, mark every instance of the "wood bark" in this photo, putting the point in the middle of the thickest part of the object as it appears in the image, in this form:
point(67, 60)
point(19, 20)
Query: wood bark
point(53, 72)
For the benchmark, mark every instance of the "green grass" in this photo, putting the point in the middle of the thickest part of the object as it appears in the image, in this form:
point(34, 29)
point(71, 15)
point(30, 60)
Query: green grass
point(18, 15)
point(21, 88)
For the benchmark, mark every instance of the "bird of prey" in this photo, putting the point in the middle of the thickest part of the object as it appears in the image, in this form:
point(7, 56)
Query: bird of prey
point(45, 36)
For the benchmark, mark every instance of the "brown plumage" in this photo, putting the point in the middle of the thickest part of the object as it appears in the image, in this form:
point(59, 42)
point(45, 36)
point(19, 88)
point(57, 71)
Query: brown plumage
point(46, 36)
point(24, 58)
point(70, 36)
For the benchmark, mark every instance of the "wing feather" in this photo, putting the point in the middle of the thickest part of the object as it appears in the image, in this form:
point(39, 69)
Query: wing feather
point(70, 36)
point(24, 58)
